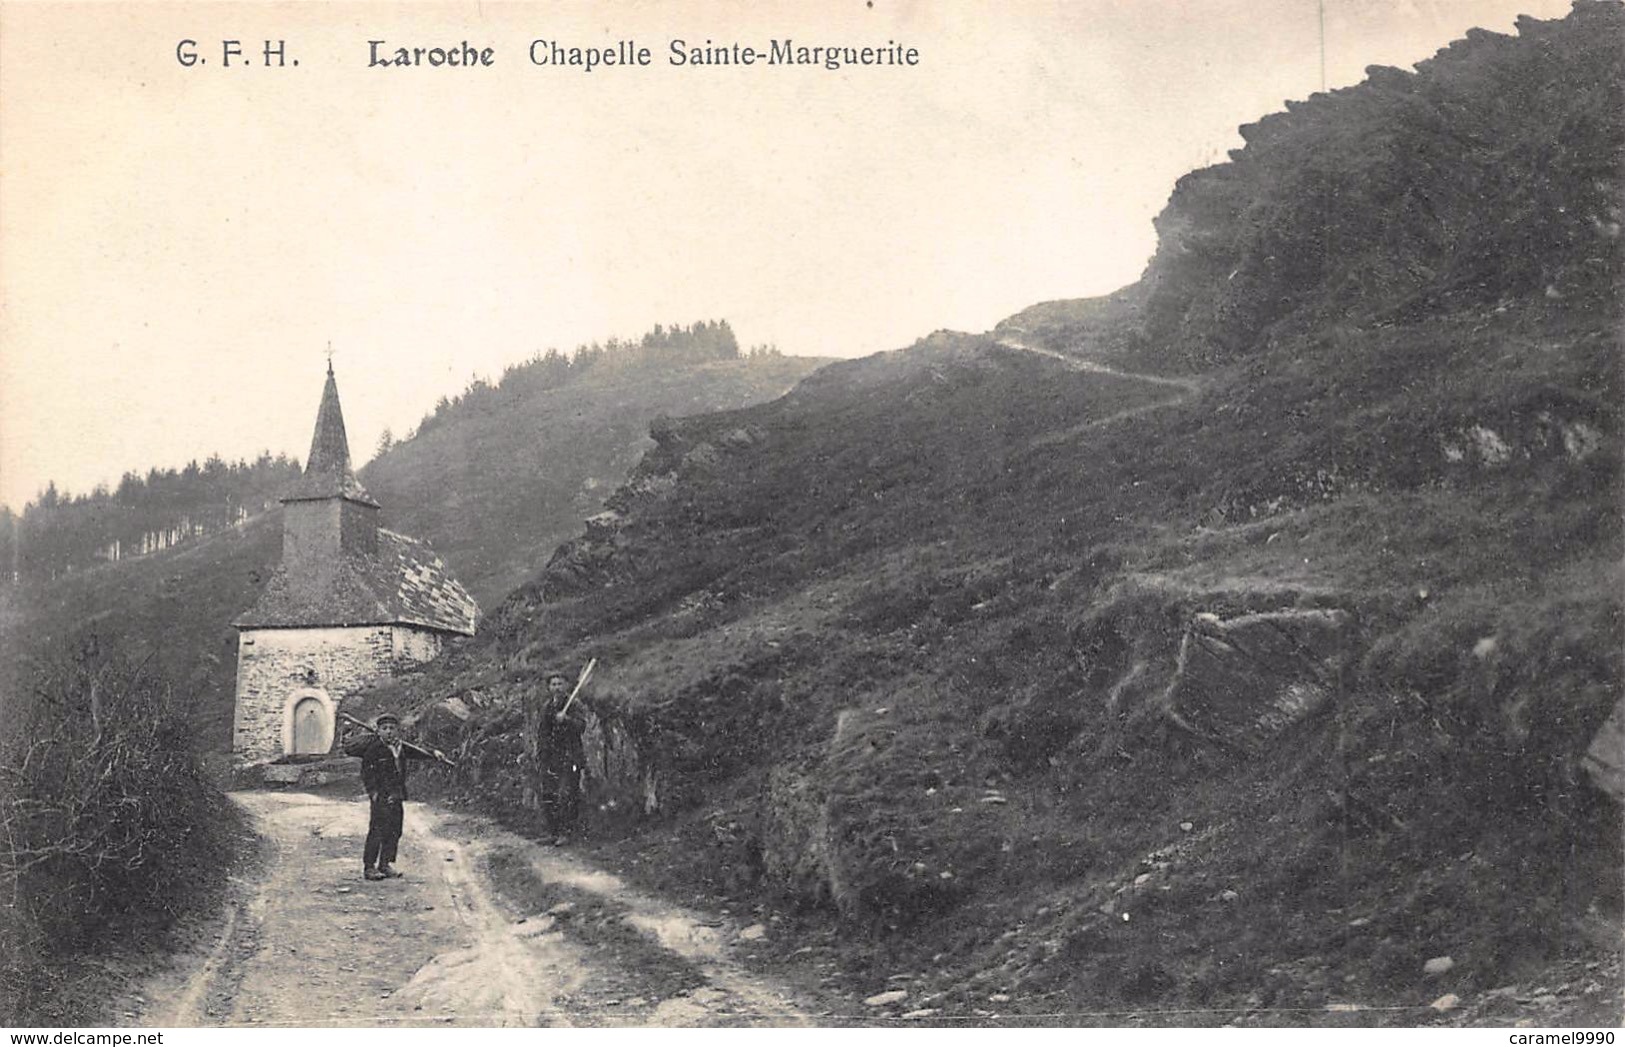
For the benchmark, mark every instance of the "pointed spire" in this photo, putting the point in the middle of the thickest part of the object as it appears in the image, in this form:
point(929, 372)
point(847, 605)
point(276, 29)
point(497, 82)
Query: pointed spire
point(330, 447)
point(327, 469)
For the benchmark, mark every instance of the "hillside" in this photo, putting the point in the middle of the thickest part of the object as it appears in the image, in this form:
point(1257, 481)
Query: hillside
point(61, 533)
point(497, 487)
point(493, 481)
point(1488, 176)
point(1223, 650)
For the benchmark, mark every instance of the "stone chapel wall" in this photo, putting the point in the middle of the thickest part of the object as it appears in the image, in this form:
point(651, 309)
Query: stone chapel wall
point(273, 664)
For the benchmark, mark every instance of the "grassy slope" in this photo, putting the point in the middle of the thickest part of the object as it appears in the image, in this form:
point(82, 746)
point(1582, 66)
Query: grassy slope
point(493, 492)
point(839, 623)
point(498, 489)
point(775, 589)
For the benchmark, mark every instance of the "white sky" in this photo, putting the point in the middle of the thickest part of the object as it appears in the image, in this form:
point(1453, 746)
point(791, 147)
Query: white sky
point(178, 246)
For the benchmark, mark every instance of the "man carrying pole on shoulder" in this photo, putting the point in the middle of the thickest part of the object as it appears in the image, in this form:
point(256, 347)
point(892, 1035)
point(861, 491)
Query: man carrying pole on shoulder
point(384, 755)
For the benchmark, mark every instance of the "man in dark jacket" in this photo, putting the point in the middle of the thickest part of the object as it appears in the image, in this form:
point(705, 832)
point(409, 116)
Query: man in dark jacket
point(556, 730)
point(383, 775)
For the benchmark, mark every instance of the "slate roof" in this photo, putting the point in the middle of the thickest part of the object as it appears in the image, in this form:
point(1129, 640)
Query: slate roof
point(327, 468)
point(404, 584)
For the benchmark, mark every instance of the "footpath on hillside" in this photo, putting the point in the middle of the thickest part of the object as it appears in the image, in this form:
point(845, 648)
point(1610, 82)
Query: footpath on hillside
point(486, 929)
point(1179, 388)
point(1078, 363)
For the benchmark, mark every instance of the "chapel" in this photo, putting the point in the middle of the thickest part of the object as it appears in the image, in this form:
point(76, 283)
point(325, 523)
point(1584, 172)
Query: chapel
point(349, 603)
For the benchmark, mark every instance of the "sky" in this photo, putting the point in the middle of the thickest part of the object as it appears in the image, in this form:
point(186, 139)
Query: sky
point(181, 244)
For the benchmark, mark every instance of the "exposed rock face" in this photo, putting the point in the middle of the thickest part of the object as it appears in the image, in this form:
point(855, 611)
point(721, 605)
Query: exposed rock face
point(1564, 432)
point(795, 836)
point(1605, 759)
point(1245, 680)
point(1286, 225)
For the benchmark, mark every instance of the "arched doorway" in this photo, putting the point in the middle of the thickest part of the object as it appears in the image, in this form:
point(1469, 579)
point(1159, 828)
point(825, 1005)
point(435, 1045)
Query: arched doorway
point(309, 726)
point(307, 723)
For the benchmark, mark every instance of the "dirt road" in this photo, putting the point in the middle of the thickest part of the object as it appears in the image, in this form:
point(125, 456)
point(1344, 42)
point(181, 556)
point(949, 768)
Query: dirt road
point(486, 929)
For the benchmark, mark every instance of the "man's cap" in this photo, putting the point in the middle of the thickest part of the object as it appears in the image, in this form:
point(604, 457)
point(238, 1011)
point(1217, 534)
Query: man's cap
point(384, 718)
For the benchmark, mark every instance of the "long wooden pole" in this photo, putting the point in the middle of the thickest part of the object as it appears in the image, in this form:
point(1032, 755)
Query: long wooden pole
point(586, 671)
point(347, 718)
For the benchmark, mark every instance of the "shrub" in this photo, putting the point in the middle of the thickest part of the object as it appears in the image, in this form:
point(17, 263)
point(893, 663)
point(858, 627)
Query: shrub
point(104, 813)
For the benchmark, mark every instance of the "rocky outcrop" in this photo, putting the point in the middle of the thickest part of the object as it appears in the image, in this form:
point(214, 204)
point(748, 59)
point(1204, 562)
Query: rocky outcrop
point(1604, 760)
point(1563, 433)
point(1243, 681)
point(1292, 221)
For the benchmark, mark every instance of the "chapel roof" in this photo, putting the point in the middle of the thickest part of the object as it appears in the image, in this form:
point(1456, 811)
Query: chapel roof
point(404, 583)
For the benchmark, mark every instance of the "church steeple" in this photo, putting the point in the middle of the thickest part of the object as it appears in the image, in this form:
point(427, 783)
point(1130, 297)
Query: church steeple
point(330, 447)
point(327, 469)
point(327, 515)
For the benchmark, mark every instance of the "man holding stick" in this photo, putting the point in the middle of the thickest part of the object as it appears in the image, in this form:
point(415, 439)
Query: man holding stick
point(383, 774)
point(558, 726)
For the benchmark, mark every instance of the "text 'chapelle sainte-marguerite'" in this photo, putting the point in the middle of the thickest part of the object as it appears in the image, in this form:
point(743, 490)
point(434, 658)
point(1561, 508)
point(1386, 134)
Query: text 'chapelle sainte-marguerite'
point(629, 54)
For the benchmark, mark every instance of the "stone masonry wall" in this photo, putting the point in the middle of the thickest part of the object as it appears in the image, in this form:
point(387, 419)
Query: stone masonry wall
point(273, 664)
point(416, 645)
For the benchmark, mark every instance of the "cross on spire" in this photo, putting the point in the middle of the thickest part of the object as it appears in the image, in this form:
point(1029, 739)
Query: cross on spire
point(329, 356)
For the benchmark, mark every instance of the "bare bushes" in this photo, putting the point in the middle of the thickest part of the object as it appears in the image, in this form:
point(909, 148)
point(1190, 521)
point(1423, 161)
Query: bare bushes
point(104, 813)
